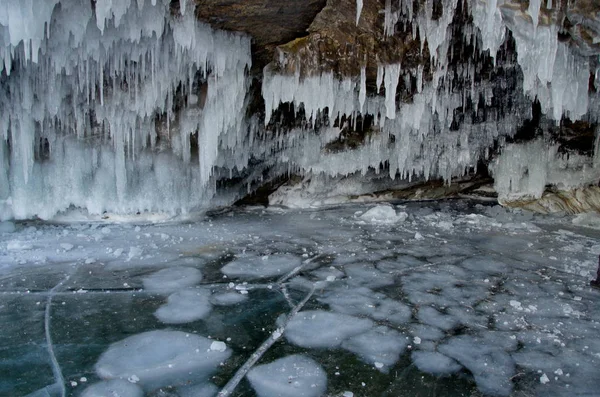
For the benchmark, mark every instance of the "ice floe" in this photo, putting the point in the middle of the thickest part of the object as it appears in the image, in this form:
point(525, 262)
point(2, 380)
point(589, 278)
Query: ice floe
point(158, 358)
point(292, 376)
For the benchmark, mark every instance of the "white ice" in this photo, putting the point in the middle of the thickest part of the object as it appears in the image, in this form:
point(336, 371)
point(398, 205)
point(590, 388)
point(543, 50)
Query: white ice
point(172, 279)
point(113, 388)
point(159, 358)
point(292, 376)
point(257, 267)
point(185, 306)
point(378, 345)
point(228, 298)
point(320, 329)
point(383, 214)
point(434, 363)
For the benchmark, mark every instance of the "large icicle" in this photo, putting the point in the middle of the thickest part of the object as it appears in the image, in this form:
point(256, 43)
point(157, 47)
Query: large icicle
point(359, 7)
point(130, 83)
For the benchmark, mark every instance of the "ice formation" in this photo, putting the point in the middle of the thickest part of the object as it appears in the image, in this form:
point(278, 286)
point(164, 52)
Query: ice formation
point(114, 387)
point(260, 266)
point(523, 171)
point(292, 376)
point(185, 306)
point(420, 138)
point(157, 358)
point(172, 279)
point(100, 100)
point(146, 109)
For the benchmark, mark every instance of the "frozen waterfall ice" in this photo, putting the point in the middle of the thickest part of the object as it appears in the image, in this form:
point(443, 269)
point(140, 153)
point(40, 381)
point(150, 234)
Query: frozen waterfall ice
point(100, 101)
point(134, 106)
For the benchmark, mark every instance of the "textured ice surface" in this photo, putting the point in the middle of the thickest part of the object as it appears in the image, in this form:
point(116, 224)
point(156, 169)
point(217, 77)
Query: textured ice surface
point(434, 363)
point(185, 306)
point(261, 266)
point(491, 366)
point(383, 214)
point(316, 328)
point(512, 299)
point(113, 388)
point(292, 376)
point(159, 358)
point(228, 298)
point(172, 279)
point(378, 345)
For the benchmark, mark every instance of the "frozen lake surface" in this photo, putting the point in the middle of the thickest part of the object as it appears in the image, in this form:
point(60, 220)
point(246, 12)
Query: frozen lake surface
point(422, 299)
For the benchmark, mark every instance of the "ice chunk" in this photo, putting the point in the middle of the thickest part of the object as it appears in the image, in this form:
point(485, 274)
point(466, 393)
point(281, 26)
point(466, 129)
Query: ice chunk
point(160, 358)
point(7, 227)
point(185, 306)
point(383, 214)
point(316, 328)
point(257, 267)
point(430, 316)
point(228, 299)
point(113, 387)
point(380, 344)
point(491, 367)
point(364, 302)
point(172, 279)
point(293, 376)
point(434, 363)
point(218, 346)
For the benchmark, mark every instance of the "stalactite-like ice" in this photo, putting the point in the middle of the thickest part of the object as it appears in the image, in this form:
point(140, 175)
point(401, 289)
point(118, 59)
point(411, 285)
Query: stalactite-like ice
point(522, 172)
point(99, 105)
point(359, 7)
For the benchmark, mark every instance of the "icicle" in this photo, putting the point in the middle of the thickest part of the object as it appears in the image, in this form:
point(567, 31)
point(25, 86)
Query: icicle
point(380, 74)
point(534, 12)
point(363, 89)
point(359, 7)
point(392, 76)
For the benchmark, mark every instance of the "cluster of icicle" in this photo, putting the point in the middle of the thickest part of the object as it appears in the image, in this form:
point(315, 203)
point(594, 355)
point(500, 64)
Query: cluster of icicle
point(424, 144)
point(99, 101)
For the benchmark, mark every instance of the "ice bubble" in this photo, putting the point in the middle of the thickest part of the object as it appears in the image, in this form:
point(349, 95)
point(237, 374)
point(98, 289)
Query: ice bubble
point(293, 376)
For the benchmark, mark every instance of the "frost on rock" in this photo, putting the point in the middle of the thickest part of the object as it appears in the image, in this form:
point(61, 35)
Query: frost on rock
point(159, 358)
point(109, 133)
point(293, 376)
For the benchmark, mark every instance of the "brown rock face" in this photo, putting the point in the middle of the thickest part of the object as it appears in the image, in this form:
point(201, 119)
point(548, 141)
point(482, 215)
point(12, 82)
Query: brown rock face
point(269, 22)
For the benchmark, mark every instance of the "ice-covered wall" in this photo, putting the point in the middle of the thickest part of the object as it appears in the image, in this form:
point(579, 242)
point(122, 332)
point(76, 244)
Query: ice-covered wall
point(455, 115)
point(133, 105)
point(99, 105)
